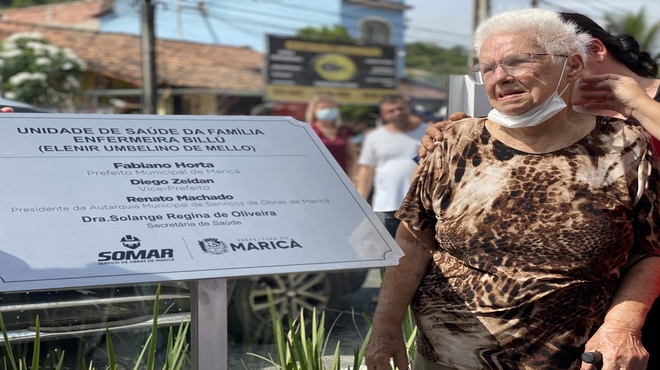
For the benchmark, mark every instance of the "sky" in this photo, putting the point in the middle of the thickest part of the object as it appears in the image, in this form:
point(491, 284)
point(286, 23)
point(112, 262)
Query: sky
point(449, 22)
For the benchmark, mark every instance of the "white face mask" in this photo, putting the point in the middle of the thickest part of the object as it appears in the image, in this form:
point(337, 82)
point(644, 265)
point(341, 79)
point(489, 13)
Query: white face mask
point(539, 114)
point(327, 114)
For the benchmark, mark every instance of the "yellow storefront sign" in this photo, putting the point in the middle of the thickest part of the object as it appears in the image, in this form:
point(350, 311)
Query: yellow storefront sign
point(343, 96)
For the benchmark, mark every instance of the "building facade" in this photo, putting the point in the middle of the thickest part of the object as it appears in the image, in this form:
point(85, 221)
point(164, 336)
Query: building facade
point(242, 23)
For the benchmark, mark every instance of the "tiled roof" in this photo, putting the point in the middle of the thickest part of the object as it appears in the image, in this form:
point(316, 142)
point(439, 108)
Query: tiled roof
point(179, 64)
point(70, 13)
point(418, 90)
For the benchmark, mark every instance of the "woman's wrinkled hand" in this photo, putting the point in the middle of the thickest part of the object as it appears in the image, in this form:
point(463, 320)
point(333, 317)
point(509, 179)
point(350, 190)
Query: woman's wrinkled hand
point(434, 133)
point(620, 346)
point(385, 344)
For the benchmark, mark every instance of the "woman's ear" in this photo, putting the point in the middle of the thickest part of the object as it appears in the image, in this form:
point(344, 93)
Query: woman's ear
point(597, 50)
point(575, 64)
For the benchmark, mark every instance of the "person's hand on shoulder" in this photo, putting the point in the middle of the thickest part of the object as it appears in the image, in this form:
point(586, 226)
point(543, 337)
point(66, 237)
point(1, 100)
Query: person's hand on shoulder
point(434, 133)
point(621, 347)
point(6, 110)
point(611, 92)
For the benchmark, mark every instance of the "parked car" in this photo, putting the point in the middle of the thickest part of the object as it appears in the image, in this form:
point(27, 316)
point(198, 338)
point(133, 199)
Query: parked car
point(20, 107)
point(81, 312)
point(248, 314)
point(70, 313)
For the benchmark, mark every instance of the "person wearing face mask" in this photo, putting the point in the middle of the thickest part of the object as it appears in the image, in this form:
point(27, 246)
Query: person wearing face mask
point(518, 226)
point(619, 80)
point(323, 115)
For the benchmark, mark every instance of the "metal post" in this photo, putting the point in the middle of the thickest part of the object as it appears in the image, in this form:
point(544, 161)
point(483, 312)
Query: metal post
point(148, 43)
point(480, 12)
point(208, 323)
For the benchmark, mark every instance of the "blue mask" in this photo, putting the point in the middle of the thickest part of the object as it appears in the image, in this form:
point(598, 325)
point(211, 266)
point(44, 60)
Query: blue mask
point(327, 114)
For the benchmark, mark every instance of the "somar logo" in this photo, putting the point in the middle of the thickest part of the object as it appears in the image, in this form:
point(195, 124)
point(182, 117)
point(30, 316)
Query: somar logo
point(129, 241)
point(133, 255)
point(213, 246)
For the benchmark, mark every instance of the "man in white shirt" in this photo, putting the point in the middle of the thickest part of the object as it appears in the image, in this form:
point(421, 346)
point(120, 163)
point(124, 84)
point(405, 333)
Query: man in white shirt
point(386, 160)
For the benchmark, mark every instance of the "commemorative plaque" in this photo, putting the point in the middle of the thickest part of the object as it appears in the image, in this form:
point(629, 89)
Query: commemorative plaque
point(92, 200)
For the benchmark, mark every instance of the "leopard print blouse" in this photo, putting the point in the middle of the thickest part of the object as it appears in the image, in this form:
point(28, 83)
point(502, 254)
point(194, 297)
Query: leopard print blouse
point(529, 246)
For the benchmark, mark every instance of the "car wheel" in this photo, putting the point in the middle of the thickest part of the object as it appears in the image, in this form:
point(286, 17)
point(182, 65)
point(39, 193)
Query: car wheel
point(248, 314)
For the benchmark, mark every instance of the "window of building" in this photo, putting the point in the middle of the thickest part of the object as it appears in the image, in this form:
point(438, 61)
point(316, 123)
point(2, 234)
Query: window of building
point(376, 31)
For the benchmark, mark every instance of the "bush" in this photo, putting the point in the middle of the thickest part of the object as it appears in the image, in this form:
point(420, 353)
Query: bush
point(35, 72)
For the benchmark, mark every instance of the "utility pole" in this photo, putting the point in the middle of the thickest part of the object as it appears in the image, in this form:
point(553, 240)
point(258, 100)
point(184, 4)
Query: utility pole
point(179, 27)
point(148, 58)
point(480, 12)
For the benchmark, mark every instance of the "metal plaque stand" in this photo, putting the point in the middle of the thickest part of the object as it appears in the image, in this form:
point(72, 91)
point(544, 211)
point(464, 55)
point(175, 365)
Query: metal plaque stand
point(96, 225)
point(208, 322)
point(465, 96)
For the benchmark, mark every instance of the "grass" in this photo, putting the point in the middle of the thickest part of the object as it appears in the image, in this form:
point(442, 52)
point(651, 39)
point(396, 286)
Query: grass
point(176, 356)
point(302, 347)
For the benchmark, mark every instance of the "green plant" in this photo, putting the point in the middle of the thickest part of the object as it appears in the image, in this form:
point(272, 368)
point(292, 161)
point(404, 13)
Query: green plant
point(358, 353)
point(176, 356)
point(298, 349)
point(409, 333)
point(177, 347)
point(22, 363)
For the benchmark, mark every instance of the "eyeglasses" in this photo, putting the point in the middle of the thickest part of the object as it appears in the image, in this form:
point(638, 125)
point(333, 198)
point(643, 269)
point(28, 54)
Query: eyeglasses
point(513, 65)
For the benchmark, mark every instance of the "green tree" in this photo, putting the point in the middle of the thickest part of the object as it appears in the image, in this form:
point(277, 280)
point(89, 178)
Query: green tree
point(25, 3)
point(436, 59)
point(35, 72)
point(431, 63)
point(335, 34)
point(636, 25)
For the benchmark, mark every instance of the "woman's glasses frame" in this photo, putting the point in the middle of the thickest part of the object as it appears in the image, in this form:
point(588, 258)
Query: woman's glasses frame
point(514, 65)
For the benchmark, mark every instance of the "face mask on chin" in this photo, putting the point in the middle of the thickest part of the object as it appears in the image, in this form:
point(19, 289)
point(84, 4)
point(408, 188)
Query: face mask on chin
point(535, 116)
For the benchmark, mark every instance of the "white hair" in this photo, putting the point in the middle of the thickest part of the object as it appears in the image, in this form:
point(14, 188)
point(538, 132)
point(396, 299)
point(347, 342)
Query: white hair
point(543, 27)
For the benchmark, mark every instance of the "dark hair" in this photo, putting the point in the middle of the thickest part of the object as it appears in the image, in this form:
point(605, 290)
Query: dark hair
point(391, 99)
point(624, 48)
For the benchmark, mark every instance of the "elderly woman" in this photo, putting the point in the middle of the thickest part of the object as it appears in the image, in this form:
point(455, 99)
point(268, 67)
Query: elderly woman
point(518, 226)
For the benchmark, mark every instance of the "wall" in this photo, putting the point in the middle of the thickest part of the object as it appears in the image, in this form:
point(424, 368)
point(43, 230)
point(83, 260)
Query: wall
point(353, 14)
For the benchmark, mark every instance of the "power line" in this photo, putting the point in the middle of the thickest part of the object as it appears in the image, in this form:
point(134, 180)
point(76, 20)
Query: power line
point(597, 9)
point(438, 36)
point(401, 27)
point(609, 6)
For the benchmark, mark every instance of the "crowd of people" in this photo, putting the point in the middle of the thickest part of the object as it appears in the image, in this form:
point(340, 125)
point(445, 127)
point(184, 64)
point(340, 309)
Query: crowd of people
point(530, 235)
